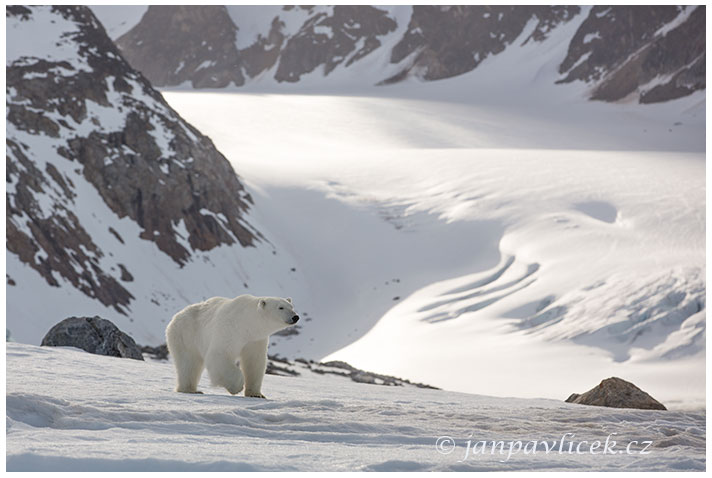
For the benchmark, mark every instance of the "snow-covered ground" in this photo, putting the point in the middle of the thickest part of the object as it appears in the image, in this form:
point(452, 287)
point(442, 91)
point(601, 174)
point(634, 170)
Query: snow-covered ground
point(68, 410)
point(496, 217)
point(495, 222)
point(446, 234)
point(495, 234)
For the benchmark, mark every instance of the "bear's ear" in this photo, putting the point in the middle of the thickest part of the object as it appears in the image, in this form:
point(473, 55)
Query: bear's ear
point(289, 299)
point(262, 303)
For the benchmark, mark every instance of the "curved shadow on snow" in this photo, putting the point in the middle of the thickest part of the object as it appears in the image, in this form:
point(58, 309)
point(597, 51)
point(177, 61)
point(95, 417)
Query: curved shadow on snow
point(531, 269)
point(443, 316)
point(599, 210)
point(481, 282)
point(479, 289)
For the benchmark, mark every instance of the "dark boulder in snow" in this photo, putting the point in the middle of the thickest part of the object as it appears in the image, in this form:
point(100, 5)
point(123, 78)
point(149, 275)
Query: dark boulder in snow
point(617, 393)
point(93, 334)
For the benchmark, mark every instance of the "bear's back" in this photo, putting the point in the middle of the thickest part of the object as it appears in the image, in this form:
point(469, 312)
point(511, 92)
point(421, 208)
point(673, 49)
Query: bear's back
point(214, 311)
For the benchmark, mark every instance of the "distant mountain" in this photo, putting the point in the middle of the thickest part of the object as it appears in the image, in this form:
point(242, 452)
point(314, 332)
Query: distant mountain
point(657, 50)
point(443, 42)
point(654, 53)
point(103, 177)
point(199, 44)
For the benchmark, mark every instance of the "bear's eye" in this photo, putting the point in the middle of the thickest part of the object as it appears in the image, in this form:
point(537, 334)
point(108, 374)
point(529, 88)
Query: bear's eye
point(281, 308)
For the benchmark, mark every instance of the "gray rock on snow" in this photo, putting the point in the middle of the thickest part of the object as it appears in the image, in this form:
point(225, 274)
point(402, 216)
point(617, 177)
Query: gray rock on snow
point(617, 393)
point(159, 352)
point(94, 335)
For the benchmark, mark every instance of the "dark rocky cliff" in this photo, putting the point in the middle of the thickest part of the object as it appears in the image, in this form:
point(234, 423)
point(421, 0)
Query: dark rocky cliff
point(450, 41)
point(655, 53)
point(624, 48)
point(174, 44)
point(197, 44)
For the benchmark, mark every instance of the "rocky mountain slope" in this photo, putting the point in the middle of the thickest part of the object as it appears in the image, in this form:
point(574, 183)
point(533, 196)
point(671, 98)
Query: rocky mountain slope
point(659, 52)
point(650, 54)
point(98, 164)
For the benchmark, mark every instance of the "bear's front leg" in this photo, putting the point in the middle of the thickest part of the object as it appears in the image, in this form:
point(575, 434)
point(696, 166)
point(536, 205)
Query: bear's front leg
point(224, 372)
point(253, 362)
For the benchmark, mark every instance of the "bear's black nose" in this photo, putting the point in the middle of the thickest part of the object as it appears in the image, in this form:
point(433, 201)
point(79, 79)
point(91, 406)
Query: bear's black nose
point(295, 319)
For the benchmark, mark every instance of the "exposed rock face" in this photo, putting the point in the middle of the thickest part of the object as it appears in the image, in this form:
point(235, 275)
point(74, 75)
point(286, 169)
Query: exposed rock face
point(649, 53)
point(175, 44)
point(346, 35)
point(77, 113)
point(93, 334)
point(159, 352)
point(658, 52)
point(617, 393)
point(337, 367)
point(450, 41)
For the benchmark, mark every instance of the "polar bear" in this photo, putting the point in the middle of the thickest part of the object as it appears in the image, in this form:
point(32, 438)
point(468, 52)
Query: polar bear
point(229, 338)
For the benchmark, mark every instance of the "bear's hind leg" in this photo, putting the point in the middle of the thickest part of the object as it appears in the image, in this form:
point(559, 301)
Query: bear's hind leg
point(189, 367)
point(224, 372)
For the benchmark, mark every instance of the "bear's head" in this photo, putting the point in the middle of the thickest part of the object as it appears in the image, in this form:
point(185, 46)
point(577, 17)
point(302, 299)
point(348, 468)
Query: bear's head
point(277, 312)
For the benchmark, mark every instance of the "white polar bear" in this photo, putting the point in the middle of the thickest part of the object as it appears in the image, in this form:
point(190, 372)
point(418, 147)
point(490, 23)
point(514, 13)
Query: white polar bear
point(229, 338)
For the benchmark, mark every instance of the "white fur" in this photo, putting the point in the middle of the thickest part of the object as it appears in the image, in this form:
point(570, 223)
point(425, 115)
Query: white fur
point(229, 337)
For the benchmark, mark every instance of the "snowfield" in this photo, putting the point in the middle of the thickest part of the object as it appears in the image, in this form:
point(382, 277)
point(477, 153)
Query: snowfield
point(68, 410)
point(427, 240)
point(492, 218)
point(494, 234)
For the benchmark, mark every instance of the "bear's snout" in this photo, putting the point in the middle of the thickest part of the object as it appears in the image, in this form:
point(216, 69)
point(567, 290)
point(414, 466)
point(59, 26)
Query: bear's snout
point(295, 319)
